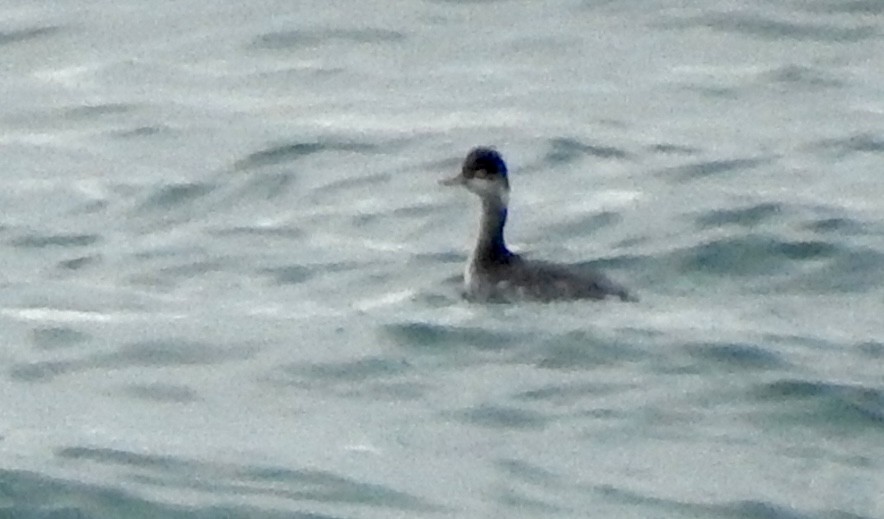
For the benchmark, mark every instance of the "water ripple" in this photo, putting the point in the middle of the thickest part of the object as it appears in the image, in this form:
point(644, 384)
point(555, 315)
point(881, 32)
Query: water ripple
point(256, 480)
point(699, 170)
point(21, 35)
point(732, 357)
point(60, 498)
point(155, 353)
point(42, 241)
point(316, 37)
point(769, 28)
point(286, 153)
point(428, 337)
point(744, 509)
point(850, 270)
point(351, 372)
point(571, 393)
point(158, 392)
point(796, 75)
point(825, 403)
point(674, 149)
point(857, 143)
point(495, 416)
point(840, 226)
point(860, 7)
point(744, 216)
point(752, 255)
point(57, 337)
point(175, 196)
point(86, 112)
point(526, 472)
point(582, 349)
point(80, 263)
point(566, 150)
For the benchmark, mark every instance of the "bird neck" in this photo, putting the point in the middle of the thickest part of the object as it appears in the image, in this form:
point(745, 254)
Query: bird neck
point(491, 245)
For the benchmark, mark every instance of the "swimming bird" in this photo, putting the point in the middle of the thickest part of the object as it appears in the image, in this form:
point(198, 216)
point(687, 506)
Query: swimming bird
point(493, 272)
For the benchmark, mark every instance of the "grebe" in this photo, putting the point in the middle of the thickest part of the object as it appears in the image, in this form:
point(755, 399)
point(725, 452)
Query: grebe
point(493, 272)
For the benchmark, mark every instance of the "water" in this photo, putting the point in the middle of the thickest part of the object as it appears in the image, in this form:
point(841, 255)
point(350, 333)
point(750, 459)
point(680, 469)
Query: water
point(229, 279)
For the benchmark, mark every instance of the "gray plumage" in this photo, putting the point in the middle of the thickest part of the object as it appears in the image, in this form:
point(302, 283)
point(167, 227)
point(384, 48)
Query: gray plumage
point(493, 272)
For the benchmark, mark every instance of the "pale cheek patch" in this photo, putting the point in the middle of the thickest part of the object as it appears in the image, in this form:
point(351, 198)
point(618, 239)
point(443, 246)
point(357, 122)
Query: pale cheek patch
point(486, 188)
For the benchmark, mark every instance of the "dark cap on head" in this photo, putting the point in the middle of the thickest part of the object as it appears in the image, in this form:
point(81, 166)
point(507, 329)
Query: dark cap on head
point(484, 159)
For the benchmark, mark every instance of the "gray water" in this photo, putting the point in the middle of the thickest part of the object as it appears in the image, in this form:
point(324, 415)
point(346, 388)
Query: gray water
point(230, 281)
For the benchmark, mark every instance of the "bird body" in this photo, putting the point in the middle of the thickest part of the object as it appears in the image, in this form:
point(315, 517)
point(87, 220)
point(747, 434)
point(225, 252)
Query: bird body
point(493, 272)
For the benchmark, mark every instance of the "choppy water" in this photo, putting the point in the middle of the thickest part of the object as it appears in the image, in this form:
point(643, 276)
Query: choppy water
point(227, 269)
